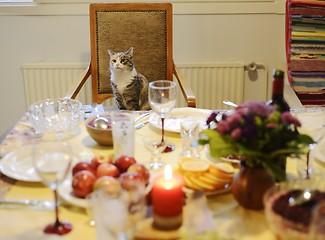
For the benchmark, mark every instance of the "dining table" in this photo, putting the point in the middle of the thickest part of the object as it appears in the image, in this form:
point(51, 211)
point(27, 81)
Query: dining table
point(231, 220)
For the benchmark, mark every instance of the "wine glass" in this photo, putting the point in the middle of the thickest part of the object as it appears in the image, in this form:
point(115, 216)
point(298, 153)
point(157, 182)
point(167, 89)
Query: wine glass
point(162, 98)
point(52, 161)
point(317, 224)
point(155, 147)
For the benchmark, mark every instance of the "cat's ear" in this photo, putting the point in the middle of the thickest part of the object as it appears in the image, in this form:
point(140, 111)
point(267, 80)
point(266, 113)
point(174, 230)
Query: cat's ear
point(130, 52)
point(110, 52)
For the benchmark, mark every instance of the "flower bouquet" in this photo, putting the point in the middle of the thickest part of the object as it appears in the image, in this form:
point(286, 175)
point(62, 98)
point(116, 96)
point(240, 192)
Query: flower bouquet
point(257, 133)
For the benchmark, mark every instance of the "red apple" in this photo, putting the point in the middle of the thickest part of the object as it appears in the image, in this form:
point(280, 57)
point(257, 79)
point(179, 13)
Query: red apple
point(141, 170)
point(107, 169)
point(124, 162)
point(83, 166)
point(109, 184)
point(97, 160)
point(83, 182)
point(130, 179)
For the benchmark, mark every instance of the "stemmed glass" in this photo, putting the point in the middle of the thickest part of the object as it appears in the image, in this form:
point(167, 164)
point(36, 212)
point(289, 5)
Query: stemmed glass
point(155, 147)
point(162, 98)
point(52, 161)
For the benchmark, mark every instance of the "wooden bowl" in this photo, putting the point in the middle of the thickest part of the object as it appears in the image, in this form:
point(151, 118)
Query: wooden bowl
point(101, 136)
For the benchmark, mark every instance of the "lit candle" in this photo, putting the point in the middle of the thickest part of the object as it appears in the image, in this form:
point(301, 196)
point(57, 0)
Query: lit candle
point(167, 199)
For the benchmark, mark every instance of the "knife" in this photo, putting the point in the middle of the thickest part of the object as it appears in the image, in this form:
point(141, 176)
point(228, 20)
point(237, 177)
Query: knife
point(140, 125)
point(29, 203)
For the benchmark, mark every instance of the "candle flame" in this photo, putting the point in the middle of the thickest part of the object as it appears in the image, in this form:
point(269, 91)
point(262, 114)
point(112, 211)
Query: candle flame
point(168, 173)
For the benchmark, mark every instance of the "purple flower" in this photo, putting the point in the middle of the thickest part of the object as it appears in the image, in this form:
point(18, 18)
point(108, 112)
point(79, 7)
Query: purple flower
point(234, 120)
point(249, 130)
point(212, 117)
point(258, 108)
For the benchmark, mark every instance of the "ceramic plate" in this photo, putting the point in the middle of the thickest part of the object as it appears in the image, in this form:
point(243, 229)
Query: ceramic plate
point(19, 164)
point(172, 122)
point(218, 191)
point(320, 151)
point(65, 191)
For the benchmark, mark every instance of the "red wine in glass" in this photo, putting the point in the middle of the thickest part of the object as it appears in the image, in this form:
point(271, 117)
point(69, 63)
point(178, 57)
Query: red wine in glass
point(162, 99)
point(52, 161)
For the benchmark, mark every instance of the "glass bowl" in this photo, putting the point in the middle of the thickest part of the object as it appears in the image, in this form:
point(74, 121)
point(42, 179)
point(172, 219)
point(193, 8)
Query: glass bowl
point(61, 117)
point(293, 222)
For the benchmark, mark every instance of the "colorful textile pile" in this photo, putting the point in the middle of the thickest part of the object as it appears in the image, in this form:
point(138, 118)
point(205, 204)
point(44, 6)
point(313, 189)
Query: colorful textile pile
point(305, 42)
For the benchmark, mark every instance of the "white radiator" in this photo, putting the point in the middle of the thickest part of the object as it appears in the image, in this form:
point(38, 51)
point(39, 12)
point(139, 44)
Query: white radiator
point(214, 82)
point(211, 82)
point(52, 80)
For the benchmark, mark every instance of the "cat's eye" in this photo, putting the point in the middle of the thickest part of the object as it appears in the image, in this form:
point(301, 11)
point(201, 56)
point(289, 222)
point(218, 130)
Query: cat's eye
point(123, 61)
point(114, 60)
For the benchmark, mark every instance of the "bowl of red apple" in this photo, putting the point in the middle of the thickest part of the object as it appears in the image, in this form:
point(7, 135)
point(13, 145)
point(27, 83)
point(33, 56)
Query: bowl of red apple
point(104, 172)
point(102, 135)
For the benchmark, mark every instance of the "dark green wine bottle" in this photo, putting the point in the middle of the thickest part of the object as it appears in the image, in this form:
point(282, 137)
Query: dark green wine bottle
point(277, 91)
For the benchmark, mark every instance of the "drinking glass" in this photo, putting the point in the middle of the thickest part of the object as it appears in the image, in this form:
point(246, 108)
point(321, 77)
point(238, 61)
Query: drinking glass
point(317, 224)
point(52, 161)
point(155, 147)
point(162, 99)
point(190, 130)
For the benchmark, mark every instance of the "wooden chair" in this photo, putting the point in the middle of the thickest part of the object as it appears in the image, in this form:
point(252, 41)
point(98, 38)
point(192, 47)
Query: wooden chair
point(147, 27)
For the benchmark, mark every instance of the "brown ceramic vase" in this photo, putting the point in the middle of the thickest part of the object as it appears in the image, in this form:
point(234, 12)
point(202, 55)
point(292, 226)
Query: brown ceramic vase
point(249, 186)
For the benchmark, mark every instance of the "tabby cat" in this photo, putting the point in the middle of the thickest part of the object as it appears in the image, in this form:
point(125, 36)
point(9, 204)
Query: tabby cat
point(130, 88)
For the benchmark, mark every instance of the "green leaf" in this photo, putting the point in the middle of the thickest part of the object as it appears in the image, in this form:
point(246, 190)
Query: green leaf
point(274, 168)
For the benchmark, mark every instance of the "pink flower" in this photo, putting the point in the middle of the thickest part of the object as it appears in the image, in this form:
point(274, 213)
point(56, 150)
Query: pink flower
point(271, 125)
point(223, 127)
point(236, 133)
point(288, 119)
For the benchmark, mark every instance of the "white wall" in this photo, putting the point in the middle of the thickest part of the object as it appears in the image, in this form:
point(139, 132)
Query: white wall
point(237, 30)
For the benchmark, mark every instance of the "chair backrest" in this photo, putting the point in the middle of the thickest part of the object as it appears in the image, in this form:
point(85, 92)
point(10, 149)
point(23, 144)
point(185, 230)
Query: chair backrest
point(147, 27)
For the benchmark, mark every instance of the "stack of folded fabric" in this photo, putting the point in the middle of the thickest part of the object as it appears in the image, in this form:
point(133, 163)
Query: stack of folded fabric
point(305, 42)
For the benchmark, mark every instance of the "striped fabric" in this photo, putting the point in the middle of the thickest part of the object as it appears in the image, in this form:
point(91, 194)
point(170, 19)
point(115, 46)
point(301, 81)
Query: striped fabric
point(305, 42)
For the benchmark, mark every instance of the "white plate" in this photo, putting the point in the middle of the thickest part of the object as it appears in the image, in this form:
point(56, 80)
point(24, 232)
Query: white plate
point(225, 189)
point(172, 121)
point(65, 191)
point(319, 151)
point(19, 164)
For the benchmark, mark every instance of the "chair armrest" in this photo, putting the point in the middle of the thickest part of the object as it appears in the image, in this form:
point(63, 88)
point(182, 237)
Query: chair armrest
point(290, 96)
point(76, 86)
point(185, 87)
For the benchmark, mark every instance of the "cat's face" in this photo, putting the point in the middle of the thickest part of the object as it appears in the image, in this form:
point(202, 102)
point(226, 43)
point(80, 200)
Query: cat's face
point(121, 60)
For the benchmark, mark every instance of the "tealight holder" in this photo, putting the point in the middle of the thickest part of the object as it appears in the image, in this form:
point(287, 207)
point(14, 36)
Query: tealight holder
point(167, 222)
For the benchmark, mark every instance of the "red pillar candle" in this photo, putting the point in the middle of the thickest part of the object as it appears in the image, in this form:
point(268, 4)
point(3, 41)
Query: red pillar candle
point(167, 197)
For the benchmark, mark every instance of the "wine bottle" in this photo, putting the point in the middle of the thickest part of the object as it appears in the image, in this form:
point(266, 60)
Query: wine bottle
point(279, 101)
point(277, 92)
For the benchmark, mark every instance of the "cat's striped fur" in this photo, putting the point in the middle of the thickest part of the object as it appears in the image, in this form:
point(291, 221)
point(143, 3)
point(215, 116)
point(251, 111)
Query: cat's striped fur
point(130, 88)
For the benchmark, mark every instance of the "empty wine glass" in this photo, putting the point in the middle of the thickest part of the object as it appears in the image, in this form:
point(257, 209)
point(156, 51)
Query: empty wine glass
point(52, 161)
point(155, 147)
point(162, 99)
